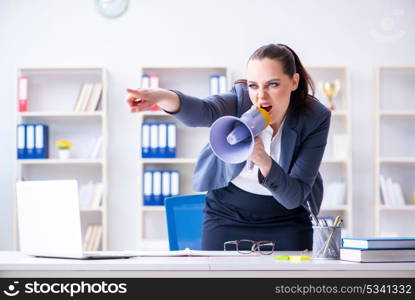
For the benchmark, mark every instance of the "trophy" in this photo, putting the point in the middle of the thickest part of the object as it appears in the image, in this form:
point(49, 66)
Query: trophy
point(329, 90)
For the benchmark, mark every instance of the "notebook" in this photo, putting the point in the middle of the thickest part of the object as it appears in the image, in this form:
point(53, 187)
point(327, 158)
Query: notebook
point(379, 243)
point(384, 255)
point(190, 252)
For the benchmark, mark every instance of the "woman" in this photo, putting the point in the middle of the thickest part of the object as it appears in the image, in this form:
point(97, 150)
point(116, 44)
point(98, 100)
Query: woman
point(271, 202)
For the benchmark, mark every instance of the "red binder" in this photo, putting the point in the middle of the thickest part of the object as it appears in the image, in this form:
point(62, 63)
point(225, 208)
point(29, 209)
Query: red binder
point(22, 86)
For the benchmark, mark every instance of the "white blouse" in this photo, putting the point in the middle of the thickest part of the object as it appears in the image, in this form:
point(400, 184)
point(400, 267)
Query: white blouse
point(247, 180)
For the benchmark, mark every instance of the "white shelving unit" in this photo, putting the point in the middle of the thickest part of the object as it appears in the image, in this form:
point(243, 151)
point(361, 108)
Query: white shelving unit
point(337, 165)
point(193, 81)
point(395, 147)
point(52, 94)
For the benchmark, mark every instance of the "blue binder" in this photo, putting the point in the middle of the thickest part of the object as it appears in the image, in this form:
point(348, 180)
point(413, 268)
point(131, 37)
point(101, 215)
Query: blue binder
point(166, 184)
point(157, 188)
point(154, 148)
point(162, 140)
point(174, 183)
point(171, 140)
point(30, 141)
point(41, 141)
point(148, 188)
point(21, 141)
point(145, 140)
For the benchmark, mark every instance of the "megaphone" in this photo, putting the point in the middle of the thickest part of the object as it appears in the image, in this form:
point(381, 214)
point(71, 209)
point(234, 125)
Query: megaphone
point(232, 138)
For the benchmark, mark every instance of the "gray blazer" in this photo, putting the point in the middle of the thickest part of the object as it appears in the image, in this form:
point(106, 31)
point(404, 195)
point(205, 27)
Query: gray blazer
point(304, 138)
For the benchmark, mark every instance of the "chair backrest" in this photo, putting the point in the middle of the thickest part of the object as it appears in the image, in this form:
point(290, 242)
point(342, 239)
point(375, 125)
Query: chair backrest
point(184, 221)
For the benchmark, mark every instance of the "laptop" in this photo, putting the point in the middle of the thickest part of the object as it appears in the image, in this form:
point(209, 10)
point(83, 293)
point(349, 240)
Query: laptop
point(49, 221)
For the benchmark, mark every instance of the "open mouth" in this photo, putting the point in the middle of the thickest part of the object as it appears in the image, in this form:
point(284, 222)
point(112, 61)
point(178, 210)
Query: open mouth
point(268, 108)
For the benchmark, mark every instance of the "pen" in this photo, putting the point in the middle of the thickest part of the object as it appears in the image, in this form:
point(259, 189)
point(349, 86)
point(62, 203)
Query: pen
point(336, 221)
point(313, 216)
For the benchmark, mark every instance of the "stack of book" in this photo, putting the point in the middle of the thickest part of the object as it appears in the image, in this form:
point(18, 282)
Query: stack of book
point(378, 250)
point(391, 192)
point(89, 97)
point(92, 239)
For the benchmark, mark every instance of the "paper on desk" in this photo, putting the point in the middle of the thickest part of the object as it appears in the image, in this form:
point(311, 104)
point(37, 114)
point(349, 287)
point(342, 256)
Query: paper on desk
point(188, 252)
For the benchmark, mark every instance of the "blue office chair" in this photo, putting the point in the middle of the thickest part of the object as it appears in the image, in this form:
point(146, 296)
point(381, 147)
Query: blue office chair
point(184, 221)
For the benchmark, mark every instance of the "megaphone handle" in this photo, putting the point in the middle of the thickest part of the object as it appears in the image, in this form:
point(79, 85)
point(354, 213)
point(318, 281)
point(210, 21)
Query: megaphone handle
point(249, 165)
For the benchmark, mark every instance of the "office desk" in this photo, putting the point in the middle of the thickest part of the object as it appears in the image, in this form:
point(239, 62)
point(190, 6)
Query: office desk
point(15, 264)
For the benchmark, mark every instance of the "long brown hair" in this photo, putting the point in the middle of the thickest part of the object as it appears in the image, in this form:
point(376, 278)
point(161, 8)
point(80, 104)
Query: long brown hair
point(300, 98)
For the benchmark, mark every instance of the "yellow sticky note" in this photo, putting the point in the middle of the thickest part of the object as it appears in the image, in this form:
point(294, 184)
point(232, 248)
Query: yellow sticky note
point(282, 257)
point(298, 258)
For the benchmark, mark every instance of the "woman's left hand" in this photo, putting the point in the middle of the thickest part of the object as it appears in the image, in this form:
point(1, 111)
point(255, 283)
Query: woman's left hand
point(260, 158)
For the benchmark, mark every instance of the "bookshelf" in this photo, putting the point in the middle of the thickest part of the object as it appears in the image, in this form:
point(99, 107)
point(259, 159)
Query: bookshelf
point(394, 150)
point(336, 167)
point(52, 97)
point(152, 228)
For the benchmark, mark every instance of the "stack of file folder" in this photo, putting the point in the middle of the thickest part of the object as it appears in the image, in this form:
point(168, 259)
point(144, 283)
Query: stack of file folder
point(158, 185)
point(32, 141)
point(158, 140)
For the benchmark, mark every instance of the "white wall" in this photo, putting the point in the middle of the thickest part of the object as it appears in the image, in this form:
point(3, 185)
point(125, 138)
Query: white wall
point(358, 34)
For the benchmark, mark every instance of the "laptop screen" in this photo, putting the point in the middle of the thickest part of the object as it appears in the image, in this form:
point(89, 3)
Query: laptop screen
point(49, 218)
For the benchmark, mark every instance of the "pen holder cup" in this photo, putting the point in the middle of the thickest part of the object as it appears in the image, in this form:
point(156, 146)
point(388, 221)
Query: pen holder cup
point(326, 242)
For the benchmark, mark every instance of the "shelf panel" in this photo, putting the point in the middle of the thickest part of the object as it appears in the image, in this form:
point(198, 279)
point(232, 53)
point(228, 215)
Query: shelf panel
point(168, 160)
point(397, 113)
point(403, 208)
point(397, 68)
point(154, 208)
point(63, 69)
point(397, 160)
point(58, 161)
point(91, 210)
point(60, 114)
